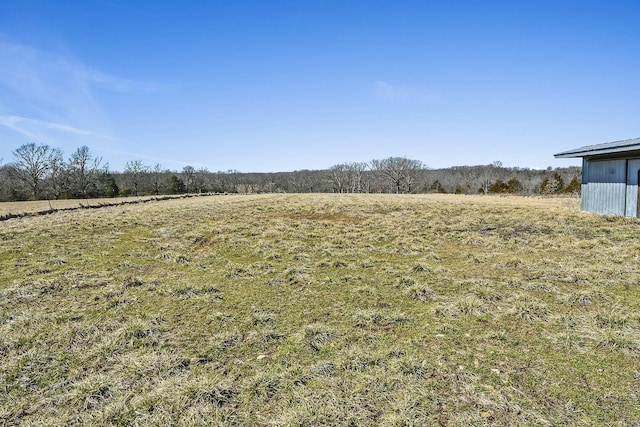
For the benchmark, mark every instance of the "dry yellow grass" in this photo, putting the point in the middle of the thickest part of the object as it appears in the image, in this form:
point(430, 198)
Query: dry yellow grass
point(321, 310)
point(44, 205)
point(10, 210)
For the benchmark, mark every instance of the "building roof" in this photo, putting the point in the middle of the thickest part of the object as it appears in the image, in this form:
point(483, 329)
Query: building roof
point(600, 149)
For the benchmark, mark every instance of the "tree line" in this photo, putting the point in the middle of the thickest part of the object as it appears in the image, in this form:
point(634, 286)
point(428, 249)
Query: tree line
point(39, 171)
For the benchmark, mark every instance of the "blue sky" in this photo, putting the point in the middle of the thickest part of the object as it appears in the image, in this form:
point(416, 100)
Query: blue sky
point(287, 85)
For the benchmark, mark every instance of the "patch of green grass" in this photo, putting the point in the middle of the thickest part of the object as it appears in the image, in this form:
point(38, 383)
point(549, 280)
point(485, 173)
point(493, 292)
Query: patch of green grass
point(321, 310)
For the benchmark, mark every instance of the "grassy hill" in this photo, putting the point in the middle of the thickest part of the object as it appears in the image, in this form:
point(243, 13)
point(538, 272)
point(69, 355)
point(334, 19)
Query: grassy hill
point(321, 310)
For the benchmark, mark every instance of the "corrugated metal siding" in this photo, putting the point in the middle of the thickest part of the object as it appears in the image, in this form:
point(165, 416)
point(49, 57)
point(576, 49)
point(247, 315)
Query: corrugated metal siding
point(606, 190)
point(633, 168)
point(584, 199)
point(605, 198)
point(632, 200)
point(607, 171)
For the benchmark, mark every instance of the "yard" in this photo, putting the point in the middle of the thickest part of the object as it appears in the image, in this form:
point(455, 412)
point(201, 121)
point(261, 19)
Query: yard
point(321, 310)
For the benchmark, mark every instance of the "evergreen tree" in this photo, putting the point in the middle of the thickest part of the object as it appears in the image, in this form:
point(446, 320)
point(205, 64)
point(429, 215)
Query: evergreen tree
point(574, 186)
point(553, 184)
point(175, 185)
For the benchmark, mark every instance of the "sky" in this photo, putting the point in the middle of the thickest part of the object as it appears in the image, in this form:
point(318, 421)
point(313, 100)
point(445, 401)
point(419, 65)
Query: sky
point(272, 85)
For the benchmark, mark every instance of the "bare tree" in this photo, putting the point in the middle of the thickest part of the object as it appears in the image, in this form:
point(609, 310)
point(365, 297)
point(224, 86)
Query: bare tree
point(5, 178)
point(400, 171)
point(292, 182)
point(339, 177)
point(189, 174)
point(225, 181)
point(348, 177)
point(357, 177)
point(84, 172)
point(33, 164)
point(309, 181)
point(462, 180)
point(156, 178)
point(200, 180)
point(135, 171)
point(57, 181)
point(488, 175)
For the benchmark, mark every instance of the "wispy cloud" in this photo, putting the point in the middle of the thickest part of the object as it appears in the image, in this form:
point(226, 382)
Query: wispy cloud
point(115, 5)
point(39, 130)
point(62, 136)
point(57, 88)
point(68, 138)
point(393, 92)
point(46, 86)
point(123, 85)
point(388, 92)
point(54, 98)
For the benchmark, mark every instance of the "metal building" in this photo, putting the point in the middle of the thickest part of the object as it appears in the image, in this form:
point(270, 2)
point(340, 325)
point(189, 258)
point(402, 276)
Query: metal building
point(610, 175)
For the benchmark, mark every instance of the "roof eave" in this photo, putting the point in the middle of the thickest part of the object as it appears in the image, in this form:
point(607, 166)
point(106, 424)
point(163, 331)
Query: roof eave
point(566, 155)
point(605, 149)
point(596, 152)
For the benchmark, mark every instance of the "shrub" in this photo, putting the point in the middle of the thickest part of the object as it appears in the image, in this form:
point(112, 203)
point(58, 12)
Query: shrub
point(574, 186)
point(553, 184)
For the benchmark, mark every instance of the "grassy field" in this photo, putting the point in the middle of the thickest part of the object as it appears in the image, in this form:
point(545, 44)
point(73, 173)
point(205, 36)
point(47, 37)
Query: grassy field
point(33, 207)
point(43, 205)
point(321, 310)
